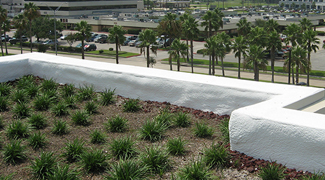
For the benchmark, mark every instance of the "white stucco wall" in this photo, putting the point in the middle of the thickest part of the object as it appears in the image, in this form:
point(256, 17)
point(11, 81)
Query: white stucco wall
point(260, 126)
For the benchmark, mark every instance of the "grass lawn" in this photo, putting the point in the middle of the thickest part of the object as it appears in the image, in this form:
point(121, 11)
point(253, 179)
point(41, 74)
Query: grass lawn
point(113, 53)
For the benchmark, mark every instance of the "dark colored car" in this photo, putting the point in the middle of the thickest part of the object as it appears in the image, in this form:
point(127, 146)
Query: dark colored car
point(80, 45)
point(101, 39)
point(90, 47)
point(92, 38)
point(15, 40)
point(3, 38)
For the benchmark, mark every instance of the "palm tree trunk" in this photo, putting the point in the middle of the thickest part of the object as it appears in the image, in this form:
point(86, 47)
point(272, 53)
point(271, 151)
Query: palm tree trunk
point(297, 74)
point(256, 78)
point(30, 36)
point(82, 49)
point(188, 59)
point(239, 66)
point(209, 35)
point(289, 66)
point(1, 45)
point(116, 49)
point(192, 55)
point(21, 41)
point(170, 63)
point(148, 62)
point(308, 65)
point(272, 62)
point(213, 66)
point(178, 62)
point(223, 69)
point(293, 75)
point(5, 42)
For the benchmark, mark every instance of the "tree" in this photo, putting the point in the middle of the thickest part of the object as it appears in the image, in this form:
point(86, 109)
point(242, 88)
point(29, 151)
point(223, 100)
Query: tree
point(223, 48)
point(84, 32)
point(147, 37)
point(258, 36)
point(190, 26)
point(20, 23)
point(244, 27)
point(3, 17)
point(183, 18)
point(240, 49)
point(313, 5)
point(293, 6)
point(6, 28)
point(178, 49)
point(303, 7)
point(211, 45)
point(43, 27)
point(299, 61)
point(310, 42)
point(116, 34)
point(255, 60)
point(273, 44)
point(271, 25)
point(305, 24)
point(31, 12)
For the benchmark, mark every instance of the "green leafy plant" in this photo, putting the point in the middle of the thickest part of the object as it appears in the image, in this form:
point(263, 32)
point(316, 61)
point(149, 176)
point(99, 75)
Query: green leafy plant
point(37, 140)
point(123, 148)
point(165, 118)
point(152, 130)
point(2, 125)
point(44, 166)
point(127, 169)
point(272, 171)
point(8, 177)
point(4, 89)
point(196, 170)
point(4, 104)
point(73, 150)
point(202, 130)
point(17, 129)
point(19, 96)
point(216, 155)
point(32, 90)
point(176, 146)
point(64, 173)
point(14, 152)
point(68, 90)
point(91, 107)
point(86, 93)
point(316, 176)
point(37, 121)
point(43, 102)
point(25, 82)
point(52, 94)
point(117, 124)
point(21, 110)
point(182, 120)
point(60, 127)
point(48, 84)
point(156, 158)
point(70, 101)
point(60, 109)
point(107, 97)
point(224, 128)
point(94, 161)
point(131, 105)
point(81, 118)
point(97, 137)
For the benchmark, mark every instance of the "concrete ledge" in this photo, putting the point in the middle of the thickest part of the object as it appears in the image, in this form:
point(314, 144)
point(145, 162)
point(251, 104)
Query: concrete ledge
point(260, 125)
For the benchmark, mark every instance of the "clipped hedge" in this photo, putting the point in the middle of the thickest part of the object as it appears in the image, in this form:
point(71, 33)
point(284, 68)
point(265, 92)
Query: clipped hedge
point(134, 31)
point(321, 33)
point(201, 51)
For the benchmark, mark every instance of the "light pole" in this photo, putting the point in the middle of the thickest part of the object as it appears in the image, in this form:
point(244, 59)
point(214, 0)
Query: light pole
point(55, 44)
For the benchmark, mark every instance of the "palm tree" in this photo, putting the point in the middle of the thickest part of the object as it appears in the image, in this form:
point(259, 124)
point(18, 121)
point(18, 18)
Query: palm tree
point(224, 47)
point(293, 36)
point(273, 44)
point(20, 23)
point(211, 45)
point(31, 12)
point(258, 36)
point(6, 28)
point(116, 34)
point(239, 48)
point(272, 25)
point(84, 32)
point(305, 24)
point(299, 61)
point(310, 43)
point(256, 60)
point(3, 17)
point(183, 18)
point(178, 49)
point(190, 26)
point(148, 37)
point(244, 27)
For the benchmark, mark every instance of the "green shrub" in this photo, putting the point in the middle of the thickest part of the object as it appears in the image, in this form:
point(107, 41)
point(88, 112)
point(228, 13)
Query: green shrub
point(91, 107)
point(123, 148)
point(320, 33)
point(157, 159)
point(107, 97)
point(64, 173)
point(216, 155)
point(101, 51)
point(25, 81)
point(70, 101)
point(97, 137)
point(224, 129)
point(4, 103)
point(21, 110)
point(14, 152)
point(19, 96)
point(5, 89)
point(37, 121)
point(73, 150)
point(52, 93)
point(127, 169)
point(111, 49)
point(81, 118)
point(48, 84)
point(42, 48)
point(195, 171)
point(8, 177)
point(202, 130)
point(60, 127)
point(17, 130)
point(272, 171)
point(2, 125)
point(176, 146)
point(37, 140)
point(86, 93)
point(152, 130)
point(182, 120)
point(134, 31)
point(44, 166)
point(68, 90)
point(94, 161)
point(164, 118)
point(317, 176)
point(42, 103)
point(32, 90)
point(131, 105)
point(201, 51)
point(117, 124)
point(60, 109)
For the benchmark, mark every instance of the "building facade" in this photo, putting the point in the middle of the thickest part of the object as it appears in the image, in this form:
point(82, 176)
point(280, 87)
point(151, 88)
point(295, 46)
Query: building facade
point(13, 6)
point(319, 4)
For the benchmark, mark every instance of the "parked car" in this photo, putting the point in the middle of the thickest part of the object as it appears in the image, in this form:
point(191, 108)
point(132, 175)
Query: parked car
point(15, 40)
point(92, 38)
point(90, 47)
point(132, 43)
point(126, 42)
point(50, 42)
point(283, 37)
point(102, 39)
point(38, 42)
point(63, 37)
point(3, 38)
point(80, 45)
point(137, 44)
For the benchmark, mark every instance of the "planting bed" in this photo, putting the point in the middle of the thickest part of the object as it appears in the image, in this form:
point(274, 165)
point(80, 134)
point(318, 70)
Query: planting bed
point(237, 166)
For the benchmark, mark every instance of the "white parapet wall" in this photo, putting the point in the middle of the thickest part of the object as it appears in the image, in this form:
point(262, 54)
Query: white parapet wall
point(265, 119)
